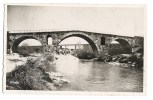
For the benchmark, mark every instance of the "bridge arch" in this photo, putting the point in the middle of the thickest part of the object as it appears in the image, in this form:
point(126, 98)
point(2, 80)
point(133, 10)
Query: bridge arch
point(83, 36)
point(19, 40)
point(124, 43)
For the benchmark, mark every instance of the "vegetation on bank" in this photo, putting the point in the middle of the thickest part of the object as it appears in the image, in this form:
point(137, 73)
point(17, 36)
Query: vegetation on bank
point(135, 59)
point(82, 54)
point(116, 49)
point(33, 76)
point(114, 55)
point(28, 50)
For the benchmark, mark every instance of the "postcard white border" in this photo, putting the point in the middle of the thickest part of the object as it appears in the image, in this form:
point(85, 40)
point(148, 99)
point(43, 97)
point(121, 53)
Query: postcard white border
point(73, 92)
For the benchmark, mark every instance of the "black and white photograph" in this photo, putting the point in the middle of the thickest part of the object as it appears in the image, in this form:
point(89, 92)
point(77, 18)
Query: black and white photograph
point(74, 48)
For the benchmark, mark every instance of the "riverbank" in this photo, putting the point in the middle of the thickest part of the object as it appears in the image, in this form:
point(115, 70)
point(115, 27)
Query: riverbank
point(29, 73)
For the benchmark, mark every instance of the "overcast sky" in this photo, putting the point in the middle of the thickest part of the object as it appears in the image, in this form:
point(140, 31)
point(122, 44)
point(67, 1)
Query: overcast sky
point(127, 21)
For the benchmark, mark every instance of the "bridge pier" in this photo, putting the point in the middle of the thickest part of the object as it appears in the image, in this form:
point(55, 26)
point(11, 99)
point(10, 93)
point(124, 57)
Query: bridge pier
point(103, 50)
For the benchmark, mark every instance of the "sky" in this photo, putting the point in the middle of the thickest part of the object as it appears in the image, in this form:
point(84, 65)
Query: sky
point(126, 21)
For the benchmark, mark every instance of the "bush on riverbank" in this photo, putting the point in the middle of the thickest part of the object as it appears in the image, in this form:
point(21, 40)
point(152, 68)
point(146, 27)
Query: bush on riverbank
point(48, 56)
point(135, 59)
point(30, 49)
point(28, 77)
point(32, 76)
point(81, 54)
point(24, 53)
point(104, 58)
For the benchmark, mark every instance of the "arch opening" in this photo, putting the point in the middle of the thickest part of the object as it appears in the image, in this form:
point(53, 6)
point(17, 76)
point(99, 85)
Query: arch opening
point(87, 44)
point(49, 40)
point(119, 46)
point(27, 45)
point(103, 40)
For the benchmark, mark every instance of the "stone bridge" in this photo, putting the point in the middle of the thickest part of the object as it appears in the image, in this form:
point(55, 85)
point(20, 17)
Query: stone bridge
point(99, 42)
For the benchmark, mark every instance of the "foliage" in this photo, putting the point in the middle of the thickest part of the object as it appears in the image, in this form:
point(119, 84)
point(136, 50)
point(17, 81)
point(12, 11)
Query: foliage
point(104, 57)
point(24, 53)
point(30, 76)
point(30, 49)
point(116, 49)
point(81, 54)
point(137, 58)
point(48, 56)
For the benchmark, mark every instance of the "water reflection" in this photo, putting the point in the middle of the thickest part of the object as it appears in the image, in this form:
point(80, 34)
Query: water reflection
point(98, 76)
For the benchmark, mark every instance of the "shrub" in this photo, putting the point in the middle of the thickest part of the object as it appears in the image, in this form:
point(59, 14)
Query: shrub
point(37, 50)
point(30, 76)
point(104, 57)
point(48, 56)
point(24, 53)
point(137, 59)
point(81, 54)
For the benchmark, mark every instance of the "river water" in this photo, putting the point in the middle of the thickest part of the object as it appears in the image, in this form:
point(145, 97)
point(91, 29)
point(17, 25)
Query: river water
point(97, 76)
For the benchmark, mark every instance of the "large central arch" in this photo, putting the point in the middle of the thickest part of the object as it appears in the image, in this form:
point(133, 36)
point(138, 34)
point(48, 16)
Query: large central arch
point(19, 40)
point(89, 40)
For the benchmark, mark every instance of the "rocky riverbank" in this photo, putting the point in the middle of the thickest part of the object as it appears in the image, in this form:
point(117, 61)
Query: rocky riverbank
point(32, 75)
point(133, 60)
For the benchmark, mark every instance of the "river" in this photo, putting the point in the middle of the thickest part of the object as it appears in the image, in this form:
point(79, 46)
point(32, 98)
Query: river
point(97, 76)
